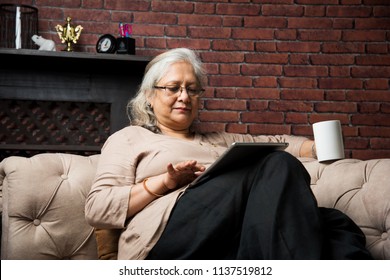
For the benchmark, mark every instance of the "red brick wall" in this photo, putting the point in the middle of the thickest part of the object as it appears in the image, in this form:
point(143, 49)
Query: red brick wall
point(274, 66)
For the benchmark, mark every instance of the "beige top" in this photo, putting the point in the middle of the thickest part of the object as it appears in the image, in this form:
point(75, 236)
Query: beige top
point(133, 154)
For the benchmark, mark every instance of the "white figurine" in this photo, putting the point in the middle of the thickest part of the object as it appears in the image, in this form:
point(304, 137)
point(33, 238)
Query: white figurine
point(44, 44)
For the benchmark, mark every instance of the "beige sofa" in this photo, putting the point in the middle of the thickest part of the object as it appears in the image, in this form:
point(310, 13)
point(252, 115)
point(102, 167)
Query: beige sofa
point(42, 201)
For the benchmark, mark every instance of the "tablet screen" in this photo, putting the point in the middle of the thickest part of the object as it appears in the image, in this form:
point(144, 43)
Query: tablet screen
point(240, 153)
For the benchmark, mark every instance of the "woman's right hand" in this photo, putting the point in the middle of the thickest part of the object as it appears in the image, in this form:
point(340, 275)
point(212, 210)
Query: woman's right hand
point(177, 175)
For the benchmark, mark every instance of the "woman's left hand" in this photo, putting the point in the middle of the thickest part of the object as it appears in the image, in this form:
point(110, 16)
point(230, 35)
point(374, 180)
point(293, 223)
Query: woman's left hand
point(308, 149)
point(182, 173)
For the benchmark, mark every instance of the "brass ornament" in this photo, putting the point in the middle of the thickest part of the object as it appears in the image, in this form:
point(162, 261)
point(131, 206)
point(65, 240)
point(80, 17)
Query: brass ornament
point(69, 34)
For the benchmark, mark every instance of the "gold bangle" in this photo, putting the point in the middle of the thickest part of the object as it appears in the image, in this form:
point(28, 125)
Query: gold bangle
point(149, 191)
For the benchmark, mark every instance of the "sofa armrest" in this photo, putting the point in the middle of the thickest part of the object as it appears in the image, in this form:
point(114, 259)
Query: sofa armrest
point(360, 189)
point(43, 207)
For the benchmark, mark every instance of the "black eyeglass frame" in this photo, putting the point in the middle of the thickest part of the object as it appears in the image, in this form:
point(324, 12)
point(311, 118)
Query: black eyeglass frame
point(190, 92)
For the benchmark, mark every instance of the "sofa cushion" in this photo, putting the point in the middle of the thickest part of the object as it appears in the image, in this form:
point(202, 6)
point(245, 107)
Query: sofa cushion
point(43, 210)
point(107, 241)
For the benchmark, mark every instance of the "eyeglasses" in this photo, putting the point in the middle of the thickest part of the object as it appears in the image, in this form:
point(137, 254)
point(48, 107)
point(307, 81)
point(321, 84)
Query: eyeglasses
point(176, 90)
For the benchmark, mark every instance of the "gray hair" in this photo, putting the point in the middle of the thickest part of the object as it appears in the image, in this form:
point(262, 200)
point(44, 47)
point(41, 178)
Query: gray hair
point(138, 108)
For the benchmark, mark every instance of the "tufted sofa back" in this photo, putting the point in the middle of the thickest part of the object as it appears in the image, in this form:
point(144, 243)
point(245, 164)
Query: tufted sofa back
point(43, 203)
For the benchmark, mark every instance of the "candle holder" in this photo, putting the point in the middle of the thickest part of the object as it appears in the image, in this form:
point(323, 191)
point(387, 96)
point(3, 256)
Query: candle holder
point(27, 21)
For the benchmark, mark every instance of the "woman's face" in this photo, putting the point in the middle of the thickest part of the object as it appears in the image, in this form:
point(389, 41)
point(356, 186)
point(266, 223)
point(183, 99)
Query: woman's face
point(173, 107)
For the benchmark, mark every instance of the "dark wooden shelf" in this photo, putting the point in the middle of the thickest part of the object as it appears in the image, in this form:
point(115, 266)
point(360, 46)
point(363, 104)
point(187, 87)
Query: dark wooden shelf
point(77, 61)
point(80, 55)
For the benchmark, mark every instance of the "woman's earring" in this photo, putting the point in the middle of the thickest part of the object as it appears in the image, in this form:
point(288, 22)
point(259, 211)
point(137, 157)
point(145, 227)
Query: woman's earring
point(149, 105)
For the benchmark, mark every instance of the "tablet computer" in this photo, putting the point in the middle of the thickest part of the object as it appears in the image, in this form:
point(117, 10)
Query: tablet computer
point(240, 153)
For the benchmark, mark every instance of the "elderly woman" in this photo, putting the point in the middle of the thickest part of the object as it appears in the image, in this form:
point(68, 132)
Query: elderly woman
point(264, 210)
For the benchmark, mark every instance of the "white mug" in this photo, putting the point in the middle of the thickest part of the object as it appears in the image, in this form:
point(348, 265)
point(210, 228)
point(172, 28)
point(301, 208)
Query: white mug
point(328, 139)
